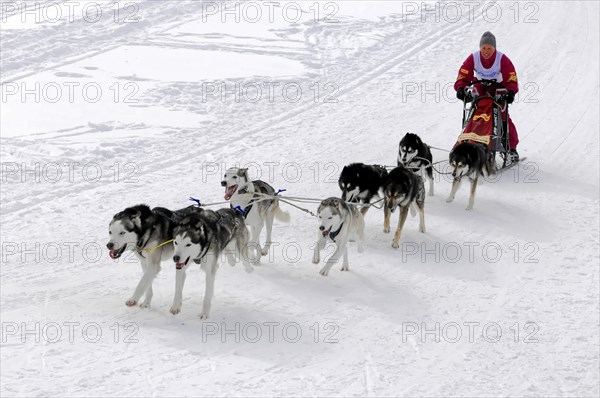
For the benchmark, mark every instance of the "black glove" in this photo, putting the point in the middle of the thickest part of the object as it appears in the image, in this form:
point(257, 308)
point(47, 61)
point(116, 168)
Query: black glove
point(510, 97)
point(460, 94)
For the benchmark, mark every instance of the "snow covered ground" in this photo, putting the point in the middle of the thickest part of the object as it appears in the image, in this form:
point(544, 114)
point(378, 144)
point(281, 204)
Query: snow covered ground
point(111, 104)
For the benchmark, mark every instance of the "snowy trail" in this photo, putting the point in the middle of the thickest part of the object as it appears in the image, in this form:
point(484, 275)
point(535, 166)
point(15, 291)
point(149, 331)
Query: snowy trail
point(543, 216)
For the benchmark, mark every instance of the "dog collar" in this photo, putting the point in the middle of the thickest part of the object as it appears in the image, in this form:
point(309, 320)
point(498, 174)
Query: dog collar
point(332, 235)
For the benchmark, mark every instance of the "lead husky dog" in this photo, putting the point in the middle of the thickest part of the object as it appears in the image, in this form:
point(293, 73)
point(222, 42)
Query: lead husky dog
point(256, 201)
point(338, 222)
point(203, 237)
point(404, 189)
point(415, 155)
point(142, 230)
point(471, 160)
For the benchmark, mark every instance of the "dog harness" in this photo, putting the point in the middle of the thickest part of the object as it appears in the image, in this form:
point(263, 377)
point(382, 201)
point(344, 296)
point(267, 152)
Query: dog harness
point(332, 235)
point(493, 72)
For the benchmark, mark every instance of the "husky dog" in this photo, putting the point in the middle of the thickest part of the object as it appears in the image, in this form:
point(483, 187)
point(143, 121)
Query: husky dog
point(256, 201)
point(404, 188)
point(338, 222)
point(471, 160)
point(360, 183)
point(142, 230)
point(203, 237)
point(415, 155)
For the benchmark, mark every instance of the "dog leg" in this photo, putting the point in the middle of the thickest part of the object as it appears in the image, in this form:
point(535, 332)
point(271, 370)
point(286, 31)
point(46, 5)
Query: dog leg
point(430, 178)
point(319, 245)
point(422, 218)
point(269, 225)
point(148, 293)
point(339, 251)
point(345, 266)
point(242, 251)
point(455, 186)
point(360, 234)
point(211, 271)
point(150, 273)
point(255, 244)
point(178, 298)
point(472, 196)
point(364, 210)
point(387, 214)
point(401, 221)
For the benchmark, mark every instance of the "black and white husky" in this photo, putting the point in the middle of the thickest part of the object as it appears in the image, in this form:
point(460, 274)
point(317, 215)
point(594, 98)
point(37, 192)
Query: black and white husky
point(415, 155)
point(338, 223)
point(360, 183)
point(404, 188)
point(202, 238)
point(255, 199)
point(470, 160)
point(142, 230)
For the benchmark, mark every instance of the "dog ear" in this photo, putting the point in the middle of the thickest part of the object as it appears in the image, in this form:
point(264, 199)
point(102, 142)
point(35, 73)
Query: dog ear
point(243, 173)
point(184, 221)
point(336, 203)
point(135, 214)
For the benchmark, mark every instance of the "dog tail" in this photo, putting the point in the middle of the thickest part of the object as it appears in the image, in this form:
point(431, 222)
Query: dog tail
point(281, 215)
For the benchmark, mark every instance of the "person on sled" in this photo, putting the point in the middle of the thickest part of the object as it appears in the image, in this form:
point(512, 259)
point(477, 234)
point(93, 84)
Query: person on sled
point(487, 63)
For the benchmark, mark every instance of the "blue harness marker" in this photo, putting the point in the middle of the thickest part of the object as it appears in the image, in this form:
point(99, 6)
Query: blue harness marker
point(279, 191)
point(196, 200)
point(244, 212)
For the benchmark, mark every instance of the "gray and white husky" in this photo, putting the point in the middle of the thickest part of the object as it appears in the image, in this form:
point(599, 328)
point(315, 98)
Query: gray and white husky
point(338, 223)
point(255, 200)
point(142, 230)
point(202, 238)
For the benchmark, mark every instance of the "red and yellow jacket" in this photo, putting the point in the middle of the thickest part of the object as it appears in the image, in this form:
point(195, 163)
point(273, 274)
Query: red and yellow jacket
point(466, 73)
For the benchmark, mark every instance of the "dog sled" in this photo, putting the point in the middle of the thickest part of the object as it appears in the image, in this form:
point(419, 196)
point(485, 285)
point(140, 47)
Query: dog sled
point(483, 106)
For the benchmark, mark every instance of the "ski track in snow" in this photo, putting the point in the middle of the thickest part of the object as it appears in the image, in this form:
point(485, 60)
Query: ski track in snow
point(547, 209)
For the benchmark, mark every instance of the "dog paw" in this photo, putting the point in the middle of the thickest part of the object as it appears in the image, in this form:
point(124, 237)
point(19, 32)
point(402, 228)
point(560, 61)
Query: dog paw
point(449, 199)
point(422, 230)
point(145, 304)
point(324, 272)
point(176, 309)
point(203, 315)
point(386, 230)
point(264, 251)
point(395, 245)
point(131, 302)
point(345, 268)
point(469, 208)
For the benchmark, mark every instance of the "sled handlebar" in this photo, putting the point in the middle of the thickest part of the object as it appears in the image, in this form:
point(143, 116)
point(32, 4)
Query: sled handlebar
point(485, 82)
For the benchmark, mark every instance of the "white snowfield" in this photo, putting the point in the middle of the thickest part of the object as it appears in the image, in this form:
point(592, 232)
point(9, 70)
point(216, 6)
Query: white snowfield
point(106, 106)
